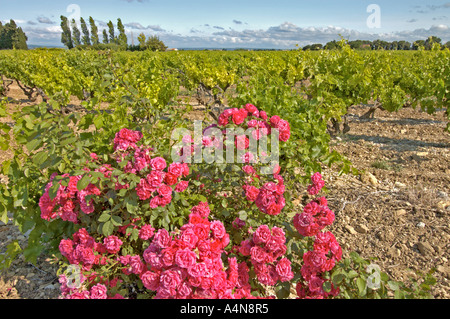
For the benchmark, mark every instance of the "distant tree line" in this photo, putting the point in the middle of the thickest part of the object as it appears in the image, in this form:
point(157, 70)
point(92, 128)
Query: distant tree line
point(382, 45)
point(12, 37)
point(88, 38)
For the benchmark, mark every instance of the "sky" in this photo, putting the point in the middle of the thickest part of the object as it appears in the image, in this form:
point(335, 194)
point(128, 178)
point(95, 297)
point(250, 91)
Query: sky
point(280, 24)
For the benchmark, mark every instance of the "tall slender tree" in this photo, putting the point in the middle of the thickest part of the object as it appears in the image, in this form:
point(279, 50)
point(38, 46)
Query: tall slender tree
point(86, 39)
point(105, 37)
point(94, 32)
point(66, 36)
point(122, 40)
point(76, 35)
point(112, 37)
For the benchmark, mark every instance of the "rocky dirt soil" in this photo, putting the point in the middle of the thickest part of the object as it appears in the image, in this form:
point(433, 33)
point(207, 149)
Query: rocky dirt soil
point(397, 210)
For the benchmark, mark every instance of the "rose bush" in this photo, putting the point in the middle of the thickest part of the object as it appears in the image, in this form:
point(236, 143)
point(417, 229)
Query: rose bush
point(149, 227)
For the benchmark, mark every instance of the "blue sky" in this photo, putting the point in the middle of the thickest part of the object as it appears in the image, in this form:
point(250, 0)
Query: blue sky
point(243, 23)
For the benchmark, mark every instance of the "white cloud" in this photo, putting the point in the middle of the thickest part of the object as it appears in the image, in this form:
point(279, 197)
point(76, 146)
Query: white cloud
point(286, 35)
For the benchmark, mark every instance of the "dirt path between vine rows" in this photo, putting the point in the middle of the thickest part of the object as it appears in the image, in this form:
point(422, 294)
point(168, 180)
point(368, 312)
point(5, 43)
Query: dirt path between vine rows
point(396, 212)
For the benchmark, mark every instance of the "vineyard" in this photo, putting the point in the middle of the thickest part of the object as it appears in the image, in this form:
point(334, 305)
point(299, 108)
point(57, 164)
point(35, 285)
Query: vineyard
point(82, 131)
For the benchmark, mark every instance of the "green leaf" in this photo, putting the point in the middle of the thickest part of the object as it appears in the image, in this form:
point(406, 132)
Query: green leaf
point(33, 144)
point(40, 158)
point(242, 215)
point(283, 290)
point(393, 285)
point(83, 182)
point(3, 214)
point(361, 284)
point(116, 220)
point(104, 217)
point(107, 228)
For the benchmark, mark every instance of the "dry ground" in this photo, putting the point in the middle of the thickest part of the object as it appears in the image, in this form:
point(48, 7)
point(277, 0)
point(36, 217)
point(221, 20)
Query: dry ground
point(397, 210)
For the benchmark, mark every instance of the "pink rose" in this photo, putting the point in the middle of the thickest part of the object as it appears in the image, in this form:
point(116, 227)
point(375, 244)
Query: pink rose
point(218, 229)
point(162, 238)
point(181, 186)
point(165, 190)
point(251, 192)
point(250, 108)
point(262, 235)
point(176, 169)
point(170, 179)
point(239, 116)
point(112, 244)
point(155, 178)
point(258, 254)
point(150, 280)
point(158, 163)
point(284, 270)
point(185, 258)
point(146, 232)
point(99, 292)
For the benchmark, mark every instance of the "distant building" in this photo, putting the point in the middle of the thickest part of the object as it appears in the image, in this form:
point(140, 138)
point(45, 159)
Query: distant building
point(172, 49)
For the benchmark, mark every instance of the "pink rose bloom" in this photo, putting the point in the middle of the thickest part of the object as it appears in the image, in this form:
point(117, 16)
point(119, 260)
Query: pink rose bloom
point(155, 178)
point(176, 169)
point(181, 186)
point(284, 136)
point(284, 270)
point(198, 270)
point(262, 235)
point(274, 120)
point(150, 280)
point(158, 163)
point(144, 190)
point(136, 264)
point(146, 232)
point(66, 247)
point(184, 291)
point(263, 115)
point(165, 190)
point(202, 209)
point(252, 123)
point(283, 125)
point(245, 247)
point(278, 235)
point(314, 259)
point(99, 292)
point(248, 169)
point(112, 244)
point(315, 284)
point(258, 254)
point(316, 177)
point(251, 192)
point(218, 229)
point(242, 142)
point(189, 237)
point(223, 120)
point(162, 238)
point(185, 258)
point(239, 116)
point(250, 108)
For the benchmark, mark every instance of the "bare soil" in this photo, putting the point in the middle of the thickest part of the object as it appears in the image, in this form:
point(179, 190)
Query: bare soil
point(396, 211)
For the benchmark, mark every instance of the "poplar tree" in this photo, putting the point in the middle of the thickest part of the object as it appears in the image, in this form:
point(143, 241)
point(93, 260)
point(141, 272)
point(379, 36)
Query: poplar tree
point(112, 37)
point(94, 32)
point(122, 40)
point(66, 36)
point(86, 38)
point(76, 35)
point(105, 37)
